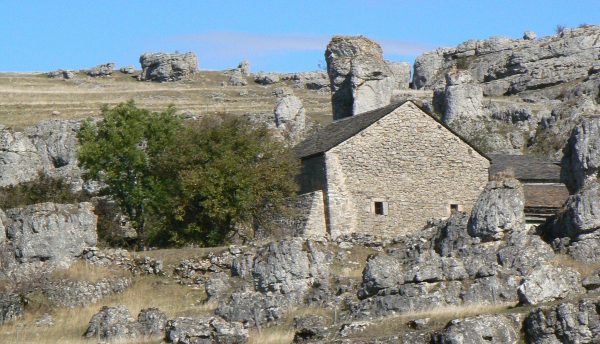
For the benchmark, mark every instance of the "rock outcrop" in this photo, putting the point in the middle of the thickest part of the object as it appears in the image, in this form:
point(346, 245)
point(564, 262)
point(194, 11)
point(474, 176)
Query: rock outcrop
point(482, 329)
point(463, 98)
point(105, 69)
point(361, 80)
point(208, 330)
point(61, 74)
point(49, 148)
point(168, 66)
point(11, 307)
point(499, 210)
point(49, 231)
point(509, 66)
point(290, 116)
point(116, 323)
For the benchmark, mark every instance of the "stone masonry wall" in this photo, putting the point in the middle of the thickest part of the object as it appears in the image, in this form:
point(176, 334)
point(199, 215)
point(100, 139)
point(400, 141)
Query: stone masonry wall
point(408, 161)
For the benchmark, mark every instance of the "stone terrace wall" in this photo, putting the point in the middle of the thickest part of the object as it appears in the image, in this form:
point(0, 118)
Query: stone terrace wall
point(410, 162)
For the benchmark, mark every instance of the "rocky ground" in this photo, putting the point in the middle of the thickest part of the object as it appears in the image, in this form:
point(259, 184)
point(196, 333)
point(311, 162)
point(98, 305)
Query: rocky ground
point(479, 277)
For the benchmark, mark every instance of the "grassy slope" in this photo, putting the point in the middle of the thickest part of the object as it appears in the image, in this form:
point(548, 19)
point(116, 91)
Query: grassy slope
point(27, 98)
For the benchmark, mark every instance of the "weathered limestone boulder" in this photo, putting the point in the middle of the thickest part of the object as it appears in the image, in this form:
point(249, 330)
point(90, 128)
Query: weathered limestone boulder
point(481, 329)
point(49, 231)
point(266, 78)
point(253, 308)
point(129, 69)
point(184, 330)
point(112, 323)
point(581, 212)
point(49, 147)
point(237, 78)
point(529, 35)
point(11, 307)
point(401, 72)
point(564, 323)
point(152, 322)
point(290, 116)
point(105, 69)
point(463, 98)
point(312, 80)
point(168, 66)
point(61, 74)
point(547, 283)
point(244, 68)
point(499, 210)
point(581, 159)
point(309, 328)
point(360, 78)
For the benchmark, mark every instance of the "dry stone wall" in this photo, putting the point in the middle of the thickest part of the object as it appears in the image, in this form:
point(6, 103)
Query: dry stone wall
point(411, 164)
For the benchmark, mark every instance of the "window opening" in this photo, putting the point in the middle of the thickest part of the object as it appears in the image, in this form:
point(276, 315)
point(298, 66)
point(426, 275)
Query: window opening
point(379, 208)
point(453, 208)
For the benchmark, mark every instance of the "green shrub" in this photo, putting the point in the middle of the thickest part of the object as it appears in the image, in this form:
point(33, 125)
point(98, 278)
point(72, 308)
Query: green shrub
point(42, 189)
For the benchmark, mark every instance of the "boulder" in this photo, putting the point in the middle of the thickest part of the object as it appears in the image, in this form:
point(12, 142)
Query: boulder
point(481, 329)
point(463, 99)
point(168, 66)
point(105, 69)
point(581, 155)
point(290, 116)
point(11, 307)
point(61, 74)
point(244, 68)
point(529, 35)
point(237, 78)
point(360, 78)
point(152, 322)
point(49, 231)
point(253, 308)
point(499, 210)
point(547, 283)
point(564, 323)
point(185, 330)
point(112, 323)
point(309, 328)
point(129, 69)
point(266, 78)
point(401, 73)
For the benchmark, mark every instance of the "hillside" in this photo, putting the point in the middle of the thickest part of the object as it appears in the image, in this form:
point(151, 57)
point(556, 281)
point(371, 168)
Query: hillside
point(27, 98)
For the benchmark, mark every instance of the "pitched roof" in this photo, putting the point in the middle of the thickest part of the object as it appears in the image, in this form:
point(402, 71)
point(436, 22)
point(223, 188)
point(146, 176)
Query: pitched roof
point(343, 129)
point(526, 167)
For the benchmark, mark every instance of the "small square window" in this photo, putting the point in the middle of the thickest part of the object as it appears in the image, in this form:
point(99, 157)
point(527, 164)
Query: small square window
point(453, 208)
point(379, 208)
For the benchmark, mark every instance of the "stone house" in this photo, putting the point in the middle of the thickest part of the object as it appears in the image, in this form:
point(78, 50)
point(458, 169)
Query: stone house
point(386, 172)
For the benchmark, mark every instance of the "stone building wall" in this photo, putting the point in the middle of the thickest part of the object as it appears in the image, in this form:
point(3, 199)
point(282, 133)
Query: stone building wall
point(411, 164)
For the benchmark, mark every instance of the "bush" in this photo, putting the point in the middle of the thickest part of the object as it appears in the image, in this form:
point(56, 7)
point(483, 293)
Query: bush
point(194, 183)
point(42, 189)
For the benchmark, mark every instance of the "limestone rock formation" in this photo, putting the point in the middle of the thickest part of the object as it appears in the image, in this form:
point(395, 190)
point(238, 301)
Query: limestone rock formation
point(184, 330)
point(11, 307)
point(463, 98)
point(482, 329)
point(61, 74)
point(129, 69)
point(168, 66)
point(49, 231)
point(581, 159)
point(105, 69)
point(498, 211)
point(116, 323)
point(360, 78)
point(244, 68)
point(290, 116)
point(564, 323)
point(509, 66)
point(48, 147)
point(547, 283)
point(266, 78)
point(401, 72)
point(237, 78)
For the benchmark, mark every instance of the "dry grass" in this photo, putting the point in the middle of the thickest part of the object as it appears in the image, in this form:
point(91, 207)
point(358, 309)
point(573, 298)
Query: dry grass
point(585, 269)
point(354, 264)
point(172, 256)
point(83, 271)
point(273, 335)
point(71, 323)
point(27, 98)
point(439, 316)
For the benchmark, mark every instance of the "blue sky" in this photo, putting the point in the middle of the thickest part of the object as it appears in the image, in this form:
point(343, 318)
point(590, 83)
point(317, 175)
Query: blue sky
point(276, 35)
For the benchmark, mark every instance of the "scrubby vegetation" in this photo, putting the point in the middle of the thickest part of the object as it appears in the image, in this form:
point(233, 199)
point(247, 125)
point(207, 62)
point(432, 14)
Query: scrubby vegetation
point(181, 182)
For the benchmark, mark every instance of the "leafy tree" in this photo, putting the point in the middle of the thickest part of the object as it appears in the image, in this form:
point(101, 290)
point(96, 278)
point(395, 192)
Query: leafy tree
point(232, 175)
point(197, 182)
point(121, 151)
